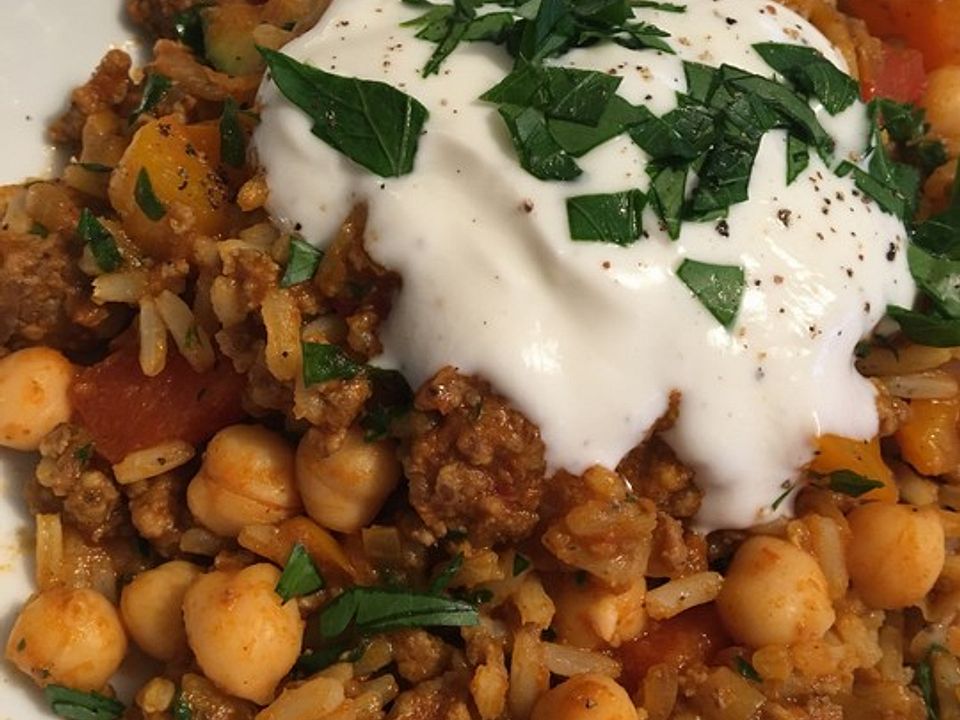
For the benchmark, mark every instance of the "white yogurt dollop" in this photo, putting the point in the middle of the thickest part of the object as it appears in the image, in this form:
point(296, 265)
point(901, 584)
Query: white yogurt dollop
point(589, 339)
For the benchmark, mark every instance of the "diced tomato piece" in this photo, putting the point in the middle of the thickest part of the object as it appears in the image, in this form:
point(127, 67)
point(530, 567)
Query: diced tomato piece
point(124, 410)
point(693, 636)
point(930, 26)
point(898, 75)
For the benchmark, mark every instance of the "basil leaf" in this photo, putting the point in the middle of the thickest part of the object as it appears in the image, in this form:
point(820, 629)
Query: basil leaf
point(76, 705)
point(453, 33)
point(550, 31)
point(719, 288)
point(188, 27)
point(681, 134)
point(904, 122)
point(154, 89)
point(520, 564)
point(39, 229)
point(233, 144)
point(147, 200)
point(614, 218)
point(102, 245)
point(579, 96)
point(812, 73)
point(539, 154)
point(302, 262)
point(938, 277)
point(926, 329)
point(446, 575)
point(578, 139)
point(643, 36)
point(746, 670)
point(493, 27)
point(850, 483)
point(323, 362)
point(782, 99)
point(700, 80)
point(300, 575)
point(666, 195)
point(798, 157)
point(372, 123)
point(662, 6)
point(940, 234)
point(376, 610)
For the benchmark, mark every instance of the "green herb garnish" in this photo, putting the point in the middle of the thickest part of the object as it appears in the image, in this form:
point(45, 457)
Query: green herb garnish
point(615, 218)
point(449, 571)
point(372, 123)
point(520, 564)
point(302, 262)
point(787, 489)
point(323, 362)
point(747, 670)
point(233, 144)
point(181, 708)
point(719, 288)
point(300, 576)
point(391, 398)
point(539, 153)
point(103, 247)
point(95, 167)
point(146, 198)
point(850, 483)
point(39, 229)
point(188, 27)
point(76, 705)
point(376, 610)
point(154, 89)
point(812, 74)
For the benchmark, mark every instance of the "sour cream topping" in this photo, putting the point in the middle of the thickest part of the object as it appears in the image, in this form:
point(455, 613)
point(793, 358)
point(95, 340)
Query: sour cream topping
point(589, 339)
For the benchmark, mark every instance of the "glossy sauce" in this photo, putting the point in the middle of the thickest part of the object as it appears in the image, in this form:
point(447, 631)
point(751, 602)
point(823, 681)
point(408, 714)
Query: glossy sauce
point(589, 339)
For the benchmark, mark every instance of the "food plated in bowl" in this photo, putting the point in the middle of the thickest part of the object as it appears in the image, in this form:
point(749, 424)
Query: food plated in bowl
point(491, 360)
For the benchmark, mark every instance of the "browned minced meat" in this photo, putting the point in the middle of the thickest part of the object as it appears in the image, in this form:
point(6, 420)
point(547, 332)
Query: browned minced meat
point(106, 89)
point(44, 300)
point(360, 290)
point(595, 524)
point(654, 472)
point(157, 511)
point(478, 467)
point(445, 698)
point(419, 655)
point(676, 552)
point(88, 499)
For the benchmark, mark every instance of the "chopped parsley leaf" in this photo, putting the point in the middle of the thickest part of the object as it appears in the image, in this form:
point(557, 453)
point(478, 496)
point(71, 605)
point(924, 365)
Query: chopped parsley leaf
point(372, 123)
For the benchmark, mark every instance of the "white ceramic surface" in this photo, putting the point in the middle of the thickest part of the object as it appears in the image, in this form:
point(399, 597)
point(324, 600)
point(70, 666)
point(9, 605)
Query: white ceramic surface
point(48, 47)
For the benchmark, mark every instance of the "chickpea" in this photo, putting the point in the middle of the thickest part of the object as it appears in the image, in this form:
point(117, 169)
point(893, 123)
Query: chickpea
point(245, 639)
point(774, 593)
point(591, 616)
point(247, 478)
point(152, 608)
point(896, 553)
point(68, 636)
point(585, 697)
point(34, 386)
point(345, 489)
point(942, 101)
